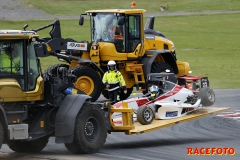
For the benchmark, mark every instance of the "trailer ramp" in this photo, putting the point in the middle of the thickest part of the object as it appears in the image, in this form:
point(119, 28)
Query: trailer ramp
point(158, 124)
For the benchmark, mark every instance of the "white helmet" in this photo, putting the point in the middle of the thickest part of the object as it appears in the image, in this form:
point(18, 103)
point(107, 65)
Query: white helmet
point(111, 63)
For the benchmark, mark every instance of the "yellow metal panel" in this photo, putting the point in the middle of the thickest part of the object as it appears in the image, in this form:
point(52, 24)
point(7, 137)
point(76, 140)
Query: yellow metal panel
point(108, 52)
point(157, 124)
point(128, 79)
point(183, 68)
point(127, 114)
point(17, 36)
point(11, 91)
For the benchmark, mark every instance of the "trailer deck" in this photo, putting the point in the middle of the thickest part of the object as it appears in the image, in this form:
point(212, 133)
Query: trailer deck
point(157, 124)
point(137, 128)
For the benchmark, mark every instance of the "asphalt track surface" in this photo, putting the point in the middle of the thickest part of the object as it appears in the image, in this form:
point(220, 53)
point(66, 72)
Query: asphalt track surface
point(169, 143)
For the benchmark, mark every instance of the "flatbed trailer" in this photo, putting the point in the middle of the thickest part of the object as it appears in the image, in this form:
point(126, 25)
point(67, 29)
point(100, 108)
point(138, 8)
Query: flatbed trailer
point(130, 127)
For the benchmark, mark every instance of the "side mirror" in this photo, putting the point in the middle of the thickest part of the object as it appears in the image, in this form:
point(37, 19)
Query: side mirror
point(25, 27)
point(41, 50)
point(121, 21)
point(81, 20)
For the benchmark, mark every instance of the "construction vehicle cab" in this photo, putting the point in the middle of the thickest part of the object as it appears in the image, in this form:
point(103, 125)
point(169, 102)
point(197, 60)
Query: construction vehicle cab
point(129, 38)
point(126, 33)
point(19, 67)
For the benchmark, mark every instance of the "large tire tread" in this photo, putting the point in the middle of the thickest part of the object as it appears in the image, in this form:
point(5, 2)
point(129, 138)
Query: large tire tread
point(90, 72)
point(28, 146)
point(52, 70)
point(1, 135)
point(81, 144)
point(158, 67)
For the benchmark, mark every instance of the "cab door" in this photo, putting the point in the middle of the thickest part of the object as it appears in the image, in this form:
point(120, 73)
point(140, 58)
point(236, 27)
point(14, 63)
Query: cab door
point(22, 82)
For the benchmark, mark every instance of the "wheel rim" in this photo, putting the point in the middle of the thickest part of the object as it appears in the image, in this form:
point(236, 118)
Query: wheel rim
point(147, 115)
point(210, 96)
point(85, 84)
point(91, 129)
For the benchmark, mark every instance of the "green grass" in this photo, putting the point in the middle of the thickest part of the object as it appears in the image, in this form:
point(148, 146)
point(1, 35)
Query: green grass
point(71, 7)
point(210, 43)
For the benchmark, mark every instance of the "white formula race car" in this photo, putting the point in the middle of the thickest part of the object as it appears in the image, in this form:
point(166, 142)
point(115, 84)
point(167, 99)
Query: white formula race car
point(172, 101)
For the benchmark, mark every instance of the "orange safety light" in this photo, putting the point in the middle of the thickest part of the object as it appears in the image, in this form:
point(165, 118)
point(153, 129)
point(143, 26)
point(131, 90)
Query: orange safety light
point(133, 4)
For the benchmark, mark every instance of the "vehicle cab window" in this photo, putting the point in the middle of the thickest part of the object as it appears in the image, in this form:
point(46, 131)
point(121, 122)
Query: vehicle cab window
point(134, 32)
point(19, 62)
point(105, 28)
point(32, 69)
point(10, 58)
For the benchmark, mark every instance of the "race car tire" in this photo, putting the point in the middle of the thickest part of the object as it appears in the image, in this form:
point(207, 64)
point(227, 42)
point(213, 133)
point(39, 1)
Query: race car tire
point(145, 115)
point(207, 96)
point(28, 146)
point(1, 135)
point(88, 80)
point(90, 131)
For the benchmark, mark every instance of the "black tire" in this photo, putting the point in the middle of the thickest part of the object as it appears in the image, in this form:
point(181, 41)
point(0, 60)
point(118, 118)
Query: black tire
point(88, 80)
point(28, 146)
point(145, 115)
point(1, 135)
point(122, 95)
point(105, 94)
point(207, 96)
point(161, 67)
point(90, 131)
point(52, 70)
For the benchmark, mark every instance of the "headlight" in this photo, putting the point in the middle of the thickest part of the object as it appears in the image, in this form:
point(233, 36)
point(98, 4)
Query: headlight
point(94, 47)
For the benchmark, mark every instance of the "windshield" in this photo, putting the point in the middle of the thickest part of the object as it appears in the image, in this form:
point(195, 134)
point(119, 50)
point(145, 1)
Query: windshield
point(102, 25)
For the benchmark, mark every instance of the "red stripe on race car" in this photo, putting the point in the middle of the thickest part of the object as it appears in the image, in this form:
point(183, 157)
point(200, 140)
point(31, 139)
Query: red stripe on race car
point(141, 102)
point(174, 91)
point(145, 101)
point(117, 121)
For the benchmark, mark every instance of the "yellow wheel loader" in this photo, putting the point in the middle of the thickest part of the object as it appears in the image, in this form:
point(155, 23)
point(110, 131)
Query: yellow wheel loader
point(136, 47)
point(35, 106)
